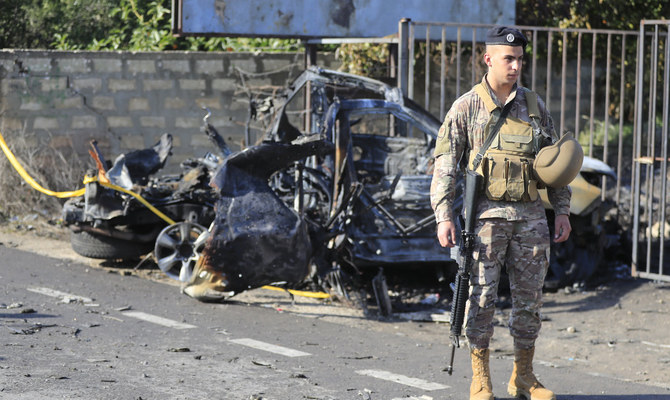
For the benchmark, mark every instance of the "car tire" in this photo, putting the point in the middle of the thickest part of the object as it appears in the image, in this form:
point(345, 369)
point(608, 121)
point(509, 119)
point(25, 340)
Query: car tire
point(178, 248)
point(103, 247)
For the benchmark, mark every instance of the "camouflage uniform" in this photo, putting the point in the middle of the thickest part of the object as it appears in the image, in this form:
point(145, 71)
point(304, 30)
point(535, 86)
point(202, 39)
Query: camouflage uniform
point(514, 234)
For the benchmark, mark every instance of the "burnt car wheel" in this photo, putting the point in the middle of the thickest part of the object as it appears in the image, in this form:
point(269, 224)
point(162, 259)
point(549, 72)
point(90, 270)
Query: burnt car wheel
point(92, 245)
point(177, 248)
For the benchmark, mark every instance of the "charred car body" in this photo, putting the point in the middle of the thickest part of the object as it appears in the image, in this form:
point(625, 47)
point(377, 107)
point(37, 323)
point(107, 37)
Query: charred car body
point(338, 187)
point(362, 193)
point(347, 165)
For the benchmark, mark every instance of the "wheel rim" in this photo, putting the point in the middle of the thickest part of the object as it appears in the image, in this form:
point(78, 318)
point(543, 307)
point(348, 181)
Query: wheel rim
point(178, 247)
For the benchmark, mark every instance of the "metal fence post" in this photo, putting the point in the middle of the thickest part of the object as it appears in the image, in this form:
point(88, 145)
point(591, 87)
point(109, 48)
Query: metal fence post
point(403, 37)
point(638, 151)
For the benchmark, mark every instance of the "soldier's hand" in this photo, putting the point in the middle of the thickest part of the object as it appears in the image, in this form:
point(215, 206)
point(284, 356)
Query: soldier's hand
point(562, 228)
point(446, 233)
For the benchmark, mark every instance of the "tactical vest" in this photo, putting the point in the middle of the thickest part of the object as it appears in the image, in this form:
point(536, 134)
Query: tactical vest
point(507, 165)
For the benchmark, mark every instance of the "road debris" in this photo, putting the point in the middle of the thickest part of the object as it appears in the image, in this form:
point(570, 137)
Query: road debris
point(29, 330)
point(179, 349)
point(262, 363)
point(11, 306)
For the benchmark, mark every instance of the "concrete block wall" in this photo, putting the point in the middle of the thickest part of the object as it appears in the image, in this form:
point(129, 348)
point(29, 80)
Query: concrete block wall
point(126, 100)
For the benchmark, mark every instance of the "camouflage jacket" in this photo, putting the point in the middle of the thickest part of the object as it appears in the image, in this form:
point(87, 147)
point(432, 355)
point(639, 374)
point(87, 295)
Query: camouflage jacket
point(463, 132)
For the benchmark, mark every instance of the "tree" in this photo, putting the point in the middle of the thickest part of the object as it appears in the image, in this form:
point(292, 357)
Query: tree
point(594, 14)
point(137, 25)
point(591, 14)
point(35, 23)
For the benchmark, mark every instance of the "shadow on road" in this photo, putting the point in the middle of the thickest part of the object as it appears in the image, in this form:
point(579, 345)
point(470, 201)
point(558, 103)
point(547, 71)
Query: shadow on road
point(26, 316)
point(601, 299)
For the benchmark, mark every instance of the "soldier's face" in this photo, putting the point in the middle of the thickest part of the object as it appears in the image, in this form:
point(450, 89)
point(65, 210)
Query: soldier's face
point(504, 64)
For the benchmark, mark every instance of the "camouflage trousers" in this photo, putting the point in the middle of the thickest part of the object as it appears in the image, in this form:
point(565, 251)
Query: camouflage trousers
point(523, 247)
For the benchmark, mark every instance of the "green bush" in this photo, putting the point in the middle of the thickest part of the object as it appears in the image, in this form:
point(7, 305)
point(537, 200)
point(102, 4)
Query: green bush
point(599, 134)
point(134, 25)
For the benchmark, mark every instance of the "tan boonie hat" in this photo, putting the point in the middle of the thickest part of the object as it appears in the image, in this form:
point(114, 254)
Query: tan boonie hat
point(557, 165)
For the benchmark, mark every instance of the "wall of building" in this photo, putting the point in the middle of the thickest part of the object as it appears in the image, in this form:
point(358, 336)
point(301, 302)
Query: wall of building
point(127, 100)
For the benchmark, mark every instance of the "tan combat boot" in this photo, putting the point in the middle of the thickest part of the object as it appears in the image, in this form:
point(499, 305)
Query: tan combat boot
point(523, 382)
point(481, 388)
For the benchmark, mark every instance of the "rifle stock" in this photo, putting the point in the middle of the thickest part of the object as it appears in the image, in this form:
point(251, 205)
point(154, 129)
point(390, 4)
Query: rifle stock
point(473, 183)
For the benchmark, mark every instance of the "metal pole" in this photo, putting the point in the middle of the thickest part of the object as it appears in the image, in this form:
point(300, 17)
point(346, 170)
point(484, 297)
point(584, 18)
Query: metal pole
point(622, 92)
point(651, 141)
point(458, 62)
point(607, 112)
point(410, 62)
point(564, 63)
point(403, 34)
point(392, 61)
point(310, 59)
point(593, 94)
point(636, 132)
point(638, 150)
point(664, 149)
point(547, 99)
point(427, 71)
point(534, 67)
point(443, 72)
point(578, 93)
point(473, 81)
point(310, 54)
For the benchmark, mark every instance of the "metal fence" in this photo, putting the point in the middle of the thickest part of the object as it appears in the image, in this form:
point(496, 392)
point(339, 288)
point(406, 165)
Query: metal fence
point(650, 163)
point(596, 83)
point(586, 77)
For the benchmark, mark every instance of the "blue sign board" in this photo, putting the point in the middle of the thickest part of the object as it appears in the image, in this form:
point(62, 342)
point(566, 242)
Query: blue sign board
point(328, 18)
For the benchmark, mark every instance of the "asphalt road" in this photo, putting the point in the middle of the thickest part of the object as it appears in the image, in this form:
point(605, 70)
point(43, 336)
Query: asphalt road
point(74, 332)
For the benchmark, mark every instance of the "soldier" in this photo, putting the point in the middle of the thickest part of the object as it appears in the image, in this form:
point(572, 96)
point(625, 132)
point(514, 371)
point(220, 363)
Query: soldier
point(511, 226)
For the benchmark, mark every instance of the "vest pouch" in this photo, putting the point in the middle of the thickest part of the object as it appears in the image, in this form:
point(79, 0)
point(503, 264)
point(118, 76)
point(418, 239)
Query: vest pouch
point(516, 187)
point(531, 182)
point(495, 177)
point(516, 136)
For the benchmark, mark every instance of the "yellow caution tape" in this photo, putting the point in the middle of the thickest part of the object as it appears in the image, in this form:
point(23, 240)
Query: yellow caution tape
point(17, 166)
point(315, 295)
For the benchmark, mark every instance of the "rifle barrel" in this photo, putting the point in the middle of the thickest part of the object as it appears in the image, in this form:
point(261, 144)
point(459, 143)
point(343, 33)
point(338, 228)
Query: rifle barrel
point(450, 368)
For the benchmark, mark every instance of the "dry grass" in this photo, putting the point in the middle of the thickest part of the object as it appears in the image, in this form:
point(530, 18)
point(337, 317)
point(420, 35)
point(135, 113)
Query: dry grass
point(52, 168)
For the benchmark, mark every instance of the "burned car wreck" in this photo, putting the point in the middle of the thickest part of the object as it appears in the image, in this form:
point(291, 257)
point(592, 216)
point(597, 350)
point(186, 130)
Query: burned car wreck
point(336, 192)
point(344, 191)
point(358, 179)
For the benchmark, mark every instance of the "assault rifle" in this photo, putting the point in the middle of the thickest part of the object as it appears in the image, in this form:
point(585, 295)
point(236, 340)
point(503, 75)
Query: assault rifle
point(473, 183)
